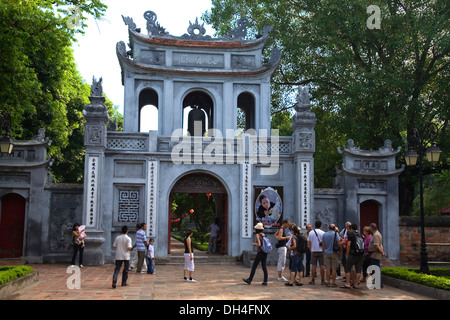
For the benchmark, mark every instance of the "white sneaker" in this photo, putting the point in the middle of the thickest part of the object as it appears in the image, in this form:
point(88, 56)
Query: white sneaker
point(192, 280)
point(282, 279)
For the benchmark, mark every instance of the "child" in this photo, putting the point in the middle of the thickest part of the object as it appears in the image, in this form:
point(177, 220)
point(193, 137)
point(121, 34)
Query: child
point(82, 236)
point(150, 257)
point(265, 209)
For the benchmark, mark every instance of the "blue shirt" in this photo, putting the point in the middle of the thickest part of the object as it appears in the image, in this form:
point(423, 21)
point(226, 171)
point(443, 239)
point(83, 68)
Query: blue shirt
point(328, 240)
point(140, 240)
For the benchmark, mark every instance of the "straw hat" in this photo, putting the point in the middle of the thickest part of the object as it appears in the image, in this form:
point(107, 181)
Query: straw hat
point(259, 226)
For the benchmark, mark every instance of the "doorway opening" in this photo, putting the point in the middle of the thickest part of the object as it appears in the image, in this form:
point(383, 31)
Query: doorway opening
point(198, 200)
point(368, 213)
point(12, 223)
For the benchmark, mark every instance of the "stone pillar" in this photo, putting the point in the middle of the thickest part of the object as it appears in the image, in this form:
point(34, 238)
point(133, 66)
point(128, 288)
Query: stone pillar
point(96, 115)
point(303, 123)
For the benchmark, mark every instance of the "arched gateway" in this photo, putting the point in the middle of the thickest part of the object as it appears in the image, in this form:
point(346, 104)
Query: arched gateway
point(130, 176)
point(206, 183)
point(220, 86)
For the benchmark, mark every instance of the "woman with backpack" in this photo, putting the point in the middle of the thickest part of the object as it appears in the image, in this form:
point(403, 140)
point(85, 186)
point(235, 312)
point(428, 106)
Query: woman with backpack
point(298, 245)
point(261, 256)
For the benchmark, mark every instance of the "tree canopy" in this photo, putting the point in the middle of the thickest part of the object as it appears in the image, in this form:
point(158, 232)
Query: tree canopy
point(367, 84)
point(39, 83)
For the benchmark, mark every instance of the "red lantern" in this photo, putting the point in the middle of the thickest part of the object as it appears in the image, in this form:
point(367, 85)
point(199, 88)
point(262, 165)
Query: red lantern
point(208, 195)
point(191, 211)
point(186, 215)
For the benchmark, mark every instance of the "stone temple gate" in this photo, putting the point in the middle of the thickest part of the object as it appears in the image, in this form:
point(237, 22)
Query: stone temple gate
point(198, 84)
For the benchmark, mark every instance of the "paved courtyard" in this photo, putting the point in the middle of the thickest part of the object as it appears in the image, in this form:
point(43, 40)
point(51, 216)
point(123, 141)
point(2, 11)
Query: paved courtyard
point(214, 282)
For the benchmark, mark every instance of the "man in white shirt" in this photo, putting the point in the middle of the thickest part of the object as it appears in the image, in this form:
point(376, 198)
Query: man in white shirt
point(315, 245)
point(123, 246)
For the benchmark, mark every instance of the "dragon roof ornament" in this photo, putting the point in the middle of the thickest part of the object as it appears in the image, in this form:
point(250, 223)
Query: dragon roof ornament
point(195, 31)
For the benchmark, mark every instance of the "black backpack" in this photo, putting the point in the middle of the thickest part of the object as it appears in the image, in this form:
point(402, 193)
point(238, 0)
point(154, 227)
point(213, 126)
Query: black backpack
point(359, 244)
point(302, 244)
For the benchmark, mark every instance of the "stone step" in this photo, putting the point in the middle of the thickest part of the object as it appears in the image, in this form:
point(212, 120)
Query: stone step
point(198, 259)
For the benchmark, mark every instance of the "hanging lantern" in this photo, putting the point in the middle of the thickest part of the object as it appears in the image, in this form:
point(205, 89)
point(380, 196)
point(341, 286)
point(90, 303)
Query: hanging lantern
point(191, 211)
point(208, 195)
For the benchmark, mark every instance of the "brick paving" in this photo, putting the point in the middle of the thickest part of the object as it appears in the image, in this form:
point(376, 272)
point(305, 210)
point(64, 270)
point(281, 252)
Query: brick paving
point(214, 282)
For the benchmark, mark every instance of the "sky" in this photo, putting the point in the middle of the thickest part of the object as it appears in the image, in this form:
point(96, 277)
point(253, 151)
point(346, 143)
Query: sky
point(95, 51)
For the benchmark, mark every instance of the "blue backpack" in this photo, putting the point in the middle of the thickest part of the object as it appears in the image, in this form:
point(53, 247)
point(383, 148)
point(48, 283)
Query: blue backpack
point(266, 246)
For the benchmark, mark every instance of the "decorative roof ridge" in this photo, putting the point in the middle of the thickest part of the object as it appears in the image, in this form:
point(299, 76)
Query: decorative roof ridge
point(195, 32)
point(384, 151)
point(377, 173)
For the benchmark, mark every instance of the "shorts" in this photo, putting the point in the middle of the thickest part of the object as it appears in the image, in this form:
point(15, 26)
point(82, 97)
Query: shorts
point(297, 263)
point(331, 261)
point(354, 261)
point(188, 263)
point(317, 257)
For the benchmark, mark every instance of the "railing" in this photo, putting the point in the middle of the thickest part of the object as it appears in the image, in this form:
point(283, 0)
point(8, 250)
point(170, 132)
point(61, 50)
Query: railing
point(127, 141)
point(238, 146)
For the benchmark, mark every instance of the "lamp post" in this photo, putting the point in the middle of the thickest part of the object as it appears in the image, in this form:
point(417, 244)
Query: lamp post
point(6, 144)
point(413, 158)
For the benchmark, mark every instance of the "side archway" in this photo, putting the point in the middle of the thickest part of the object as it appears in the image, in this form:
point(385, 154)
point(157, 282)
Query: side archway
point(12, 225)
point(369, 213)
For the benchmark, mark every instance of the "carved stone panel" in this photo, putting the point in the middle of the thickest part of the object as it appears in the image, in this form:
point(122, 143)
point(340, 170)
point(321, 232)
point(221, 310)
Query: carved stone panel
point(153, 57)
point(305, 141)
point(185, 59)
point(65, 211)
point(128, 205)
point(243, 62)
point(94, 134)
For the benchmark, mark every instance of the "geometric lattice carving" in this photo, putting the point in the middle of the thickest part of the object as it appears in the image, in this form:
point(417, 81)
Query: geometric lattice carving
point(128, 206)
point(126, 144)
point(281, 147)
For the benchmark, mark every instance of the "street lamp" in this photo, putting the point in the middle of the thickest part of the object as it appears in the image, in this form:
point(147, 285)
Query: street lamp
point(6, 144)
point(412, 158)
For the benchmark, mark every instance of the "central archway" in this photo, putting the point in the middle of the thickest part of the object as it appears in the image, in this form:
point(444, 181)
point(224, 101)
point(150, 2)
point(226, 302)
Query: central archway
point(195, 183)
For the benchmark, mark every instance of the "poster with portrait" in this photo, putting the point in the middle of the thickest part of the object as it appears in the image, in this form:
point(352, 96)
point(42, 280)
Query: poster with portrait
point(268, 206)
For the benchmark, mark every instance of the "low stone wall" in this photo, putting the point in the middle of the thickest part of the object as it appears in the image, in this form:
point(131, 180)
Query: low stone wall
point(12, 287)
point(437, 230)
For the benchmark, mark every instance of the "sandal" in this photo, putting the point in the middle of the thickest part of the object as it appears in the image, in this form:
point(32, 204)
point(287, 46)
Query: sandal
point(346, 286)
point(288, 284)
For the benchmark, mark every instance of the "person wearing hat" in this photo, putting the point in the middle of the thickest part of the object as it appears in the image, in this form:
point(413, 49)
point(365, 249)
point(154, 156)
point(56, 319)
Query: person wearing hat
point(261, 256)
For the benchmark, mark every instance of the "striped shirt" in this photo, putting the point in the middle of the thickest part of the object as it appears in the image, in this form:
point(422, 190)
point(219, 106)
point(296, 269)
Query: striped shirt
point(140, 240)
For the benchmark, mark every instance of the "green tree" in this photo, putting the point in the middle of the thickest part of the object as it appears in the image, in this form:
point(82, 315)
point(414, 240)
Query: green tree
point(39, 83)
point(373, 84)
point(203, 207)
point(436, 194)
